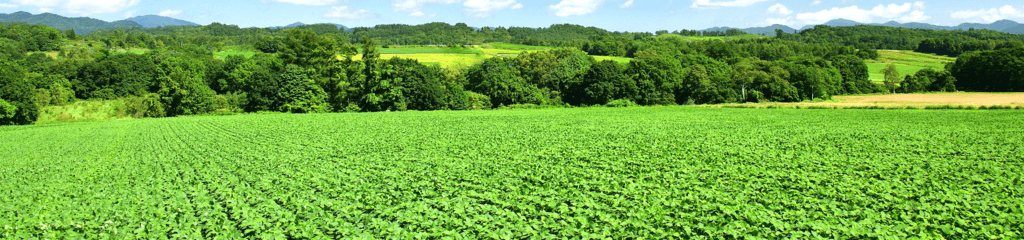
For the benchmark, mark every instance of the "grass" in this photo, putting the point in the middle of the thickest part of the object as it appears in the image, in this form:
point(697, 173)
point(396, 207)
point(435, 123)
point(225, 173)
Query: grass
point(233, 51)
point(602, 173)
point(917, 100)
point(84, 111)
point(907, 63)
point(454, 61)
point(616, 59)
point(520, 47)
point(428, 50)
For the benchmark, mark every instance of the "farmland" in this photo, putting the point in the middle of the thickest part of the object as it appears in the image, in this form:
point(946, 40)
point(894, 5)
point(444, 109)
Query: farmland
point(907, 63)
point(651, 172)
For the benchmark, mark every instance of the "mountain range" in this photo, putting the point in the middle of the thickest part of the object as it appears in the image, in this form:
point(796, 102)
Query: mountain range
point(299, 24)
point(1007, 26)
point(84, 25)
point(152, 21)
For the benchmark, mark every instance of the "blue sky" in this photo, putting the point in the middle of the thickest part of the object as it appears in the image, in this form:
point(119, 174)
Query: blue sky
point(616, 15)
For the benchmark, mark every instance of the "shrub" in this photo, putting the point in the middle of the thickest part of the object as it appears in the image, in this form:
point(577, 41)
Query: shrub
point(622, 103)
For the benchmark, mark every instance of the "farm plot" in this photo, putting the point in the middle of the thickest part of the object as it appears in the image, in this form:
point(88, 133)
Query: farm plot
point(655, 173)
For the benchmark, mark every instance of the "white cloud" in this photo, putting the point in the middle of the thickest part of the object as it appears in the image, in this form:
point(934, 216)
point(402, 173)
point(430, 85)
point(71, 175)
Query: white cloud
point(881, 12)
point(920, 4)
point(415, 7)
point(627, 4)
point(421, 14)
point(575, 7)
point(484, 8)
point(723, 3)
point(129, 14)
point(7, 5)
point(990, 15)
point(345, 12)
point(780, 9)
point(816, 3)
point(169, 13)
point(81, 7)
point(308, 2)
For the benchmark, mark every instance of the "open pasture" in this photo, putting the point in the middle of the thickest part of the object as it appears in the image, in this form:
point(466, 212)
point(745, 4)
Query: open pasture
point(618, 173)
point(907, 63)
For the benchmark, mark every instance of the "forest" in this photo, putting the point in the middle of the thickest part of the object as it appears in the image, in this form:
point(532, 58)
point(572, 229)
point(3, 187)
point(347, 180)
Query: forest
point(322, 68)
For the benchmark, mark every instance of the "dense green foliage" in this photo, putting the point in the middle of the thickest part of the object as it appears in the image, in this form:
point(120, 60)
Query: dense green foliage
point(624, 173)
point(990, 71)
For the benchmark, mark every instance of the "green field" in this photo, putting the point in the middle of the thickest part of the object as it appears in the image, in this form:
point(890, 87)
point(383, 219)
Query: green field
point(626, 173)
point(907, 63)
point(616, 59)
point(232, 51)
point(427, 50)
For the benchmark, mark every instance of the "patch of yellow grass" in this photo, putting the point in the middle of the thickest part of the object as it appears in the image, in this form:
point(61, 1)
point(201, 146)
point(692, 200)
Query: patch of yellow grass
point(919, 100)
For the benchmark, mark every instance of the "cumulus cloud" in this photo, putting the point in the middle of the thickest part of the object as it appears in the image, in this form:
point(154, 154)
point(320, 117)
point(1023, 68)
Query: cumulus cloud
point(627, 4)
point(308, 2)
point(904, 13)
point(169, 13)
point(816, 3)
point(989, 15)
point(415, 7)
point(81, 7)
point(345, 12)
point(780, 9)
point(723, 3)
point(575, 7)
point(484, 8)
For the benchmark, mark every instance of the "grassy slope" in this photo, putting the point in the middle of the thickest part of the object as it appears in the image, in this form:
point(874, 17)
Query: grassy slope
point(907, 63)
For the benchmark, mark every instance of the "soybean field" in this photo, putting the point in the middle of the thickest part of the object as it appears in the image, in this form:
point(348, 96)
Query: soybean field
point(618, 173)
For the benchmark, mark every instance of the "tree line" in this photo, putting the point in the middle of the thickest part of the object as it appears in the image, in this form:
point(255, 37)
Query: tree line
point(311, 72)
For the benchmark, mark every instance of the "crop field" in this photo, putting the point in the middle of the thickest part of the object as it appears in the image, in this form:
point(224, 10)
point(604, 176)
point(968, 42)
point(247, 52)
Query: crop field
point(907, 63)
point(617, 173)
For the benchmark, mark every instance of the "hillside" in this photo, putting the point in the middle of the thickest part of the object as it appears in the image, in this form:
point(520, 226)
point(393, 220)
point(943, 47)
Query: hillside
point(151, 21)
point(82, 25)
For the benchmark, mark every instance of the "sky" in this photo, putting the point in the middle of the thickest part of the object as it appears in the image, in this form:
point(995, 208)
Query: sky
point(614, 15)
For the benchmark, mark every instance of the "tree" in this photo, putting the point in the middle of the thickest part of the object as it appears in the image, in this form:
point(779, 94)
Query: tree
point(892, 77)
point(7, 111)
point(182, 88)
point(299, 93)
point(500, 80)
point(259, 79)
point(19, 93)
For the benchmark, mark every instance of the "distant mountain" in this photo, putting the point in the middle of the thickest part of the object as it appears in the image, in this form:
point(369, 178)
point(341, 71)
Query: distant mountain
point(1001, 25)
point(1019, 29)
point(82, 25)
point(299, 24)
point(769, 30)
point(152, 21)
point(997, 25)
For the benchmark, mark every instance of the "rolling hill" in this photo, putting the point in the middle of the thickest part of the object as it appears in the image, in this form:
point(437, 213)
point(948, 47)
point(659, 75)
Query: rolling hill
point(152, 21)
point(82, 25)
